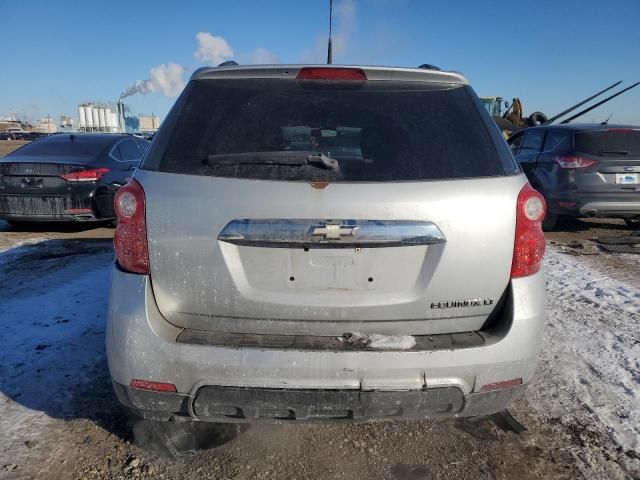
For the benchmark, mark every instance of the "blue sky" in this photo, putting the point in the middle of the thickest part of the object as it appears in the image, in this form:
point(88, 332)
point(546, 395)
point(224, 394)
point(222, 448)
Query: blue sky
point(551, 54)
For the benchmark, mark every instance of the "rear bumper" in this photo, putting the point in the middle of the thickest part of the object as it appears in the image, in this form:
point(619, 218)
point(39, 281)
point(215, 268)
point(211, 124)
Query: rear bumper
point(612, 205)
point(607, 208)
point(81, 217)
point(248, 405)
point(141, 344)
point(78, 204)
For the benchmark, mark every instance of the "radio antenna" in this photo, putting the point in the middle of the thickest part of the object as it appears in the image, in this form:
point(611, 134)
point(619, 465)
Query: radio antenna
point(329, 56)
point(606, 122)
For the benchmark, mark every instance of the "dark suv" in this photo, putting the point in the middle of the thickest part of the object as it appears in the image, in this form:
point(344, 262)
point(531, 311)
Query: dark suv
point(583, 170)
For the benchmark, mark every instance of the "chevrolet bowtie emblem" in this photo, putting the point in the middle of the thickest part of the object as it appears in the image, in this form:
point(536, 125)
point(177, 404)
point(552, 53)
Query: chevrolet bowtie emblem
point(334, 232)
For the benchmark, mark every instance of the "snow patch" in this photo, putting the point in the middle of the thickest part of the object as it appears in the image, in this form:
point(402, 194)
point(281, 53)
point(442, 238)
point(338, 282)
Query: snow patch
point(6, 250)
point(395, 342)
point(589, 369)
point(380, 342)
point(52, 323)
point(574, 277)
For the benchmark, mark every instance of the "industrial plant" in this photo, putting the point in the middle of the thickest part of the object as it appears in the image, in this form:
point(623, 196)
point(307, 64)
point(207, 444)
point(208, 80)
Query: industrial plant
point(111, 118)
point(101, 117)
point(93, 117)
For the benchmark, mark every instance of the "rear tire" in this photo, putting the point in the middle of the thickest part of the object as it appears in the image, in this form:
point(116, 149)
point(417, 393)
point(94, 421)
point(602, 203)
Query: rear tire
point(177, 439)
point(632, 222)
point(549, 222)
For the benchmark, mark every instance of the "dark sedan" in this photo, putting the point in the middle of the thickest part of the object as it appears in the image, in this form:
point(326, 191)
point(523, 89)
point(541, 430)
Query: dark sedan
point(67, 177)
point(583, 170)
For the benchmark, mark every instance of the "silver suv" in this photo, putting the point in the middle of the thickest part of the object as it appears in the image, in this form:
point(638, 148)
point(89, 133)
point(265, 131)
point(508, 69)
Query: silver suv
point(325, 243)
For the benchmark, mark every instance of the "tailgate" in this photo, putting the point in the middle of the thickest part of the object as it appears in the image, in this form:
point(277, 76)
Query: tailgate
point(203, 279)
point(617, 153)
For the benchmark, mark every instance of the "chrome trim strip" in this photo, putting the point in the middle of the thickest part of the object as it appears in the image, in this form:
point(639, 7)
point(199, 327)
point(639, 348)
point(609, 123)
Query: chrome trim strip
point(314, 233)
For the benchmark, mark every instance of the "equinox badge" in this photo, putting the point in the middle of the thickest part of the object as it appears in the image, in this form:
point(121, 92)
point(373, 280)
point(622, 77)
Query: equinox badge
point(475, 302)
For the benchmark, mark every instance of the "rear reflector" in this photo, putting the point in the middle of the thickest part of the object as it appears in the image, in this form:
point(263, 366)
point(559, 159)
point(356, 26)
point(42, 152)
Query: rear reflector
point(154, 386)
point(91, 175)
point(130, 237)
point(500, 385)
point(331, 73)
point(529, 245)
point(567, 204)
point(574, 162)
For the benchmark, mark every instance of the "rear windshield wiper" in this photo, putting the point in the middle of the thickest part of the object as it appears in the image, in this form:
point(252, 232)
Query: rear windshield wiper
point(286, 157)
point(615, 152)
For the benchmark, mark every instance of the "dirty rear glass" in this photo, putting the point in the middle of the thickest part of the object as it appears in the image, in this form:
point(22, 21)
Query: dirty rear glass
point(377, 131)
point(620, 141)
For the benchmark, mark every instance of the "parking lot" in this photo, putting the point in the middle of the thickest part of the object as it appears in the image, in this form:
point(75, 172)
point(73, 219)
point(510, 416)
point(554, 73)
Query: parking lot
point(339, 239)
point(60, 419)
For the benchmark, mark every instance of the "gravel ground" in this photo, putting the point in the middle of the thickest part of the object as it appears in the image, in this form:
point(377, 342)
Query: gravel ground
point(585, 232)
point(90, 437)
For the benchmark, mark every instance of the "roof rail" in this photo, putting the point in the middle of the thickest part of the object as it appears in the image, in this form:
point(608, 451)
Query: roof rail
point(428, 66)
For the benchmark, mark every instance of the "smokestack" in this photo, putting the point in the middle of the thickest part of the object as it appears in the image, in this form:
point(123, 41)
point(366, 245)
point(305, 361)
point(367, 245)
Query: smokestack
point(329, 53)
point(121, 116)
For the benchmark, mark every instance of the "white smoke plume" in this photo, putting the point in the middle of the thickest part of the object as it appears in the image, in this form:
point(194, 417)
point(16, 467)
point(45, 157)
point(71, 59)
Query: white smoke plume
point(165, 78)
point(212, 50)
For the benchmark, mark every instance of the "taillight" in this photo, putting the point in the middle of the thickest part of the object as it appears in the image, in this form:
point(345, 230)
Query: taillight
point(620, 130)
point(573, 162)
point(130, 237)
point(90, 175)
point(331, 73)
point(528, 248)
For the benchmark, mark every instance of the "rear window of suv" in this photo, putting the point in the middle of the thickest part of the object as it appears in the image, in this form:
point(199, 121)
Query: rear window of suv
point(620, 141)
point(375, 131)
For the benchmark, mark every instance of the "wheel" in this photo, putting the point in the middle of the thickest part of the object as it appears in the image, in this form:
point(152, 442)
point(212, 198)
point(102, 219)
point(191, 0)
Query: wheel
point(177, 439)
point(549, 222)
point(536, 118)
point(632, 222)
